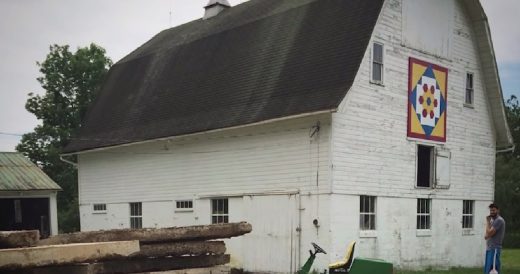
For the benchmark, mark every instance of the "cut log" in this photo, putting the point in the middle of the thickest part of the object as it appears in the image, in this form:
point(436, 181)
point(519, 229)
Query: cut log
point(207, 270)
point(24, 238)
point(159, 264)
point(134, 265)
point(181, 248)
point(151, 235)
point(28, 257)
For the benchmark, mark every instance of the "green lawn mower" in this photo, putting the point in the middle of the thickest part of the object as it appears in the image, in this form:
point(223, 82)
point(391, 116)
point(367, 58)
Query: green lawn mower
point(349, 264)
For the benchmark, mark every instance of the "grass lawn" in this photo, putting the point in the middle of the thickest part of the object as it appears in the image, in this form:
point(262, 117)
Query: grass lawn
point(510, 265)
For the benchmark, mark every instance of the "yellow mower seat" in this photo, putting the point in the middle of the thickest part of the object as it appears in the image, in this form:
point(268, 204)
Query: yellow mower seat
point(347, 260)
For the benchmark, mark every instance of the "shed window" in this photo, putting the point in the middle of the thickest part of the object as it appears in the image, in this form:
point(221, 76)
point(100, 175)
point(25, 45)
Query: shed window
point(219, 211)
point(425, 167)
point(467, 213)
point(377, 63)
point(424, 213)
point(136, 215)
point(469, 89)
point(17, 211)
point(100, 208)
point(367, 209)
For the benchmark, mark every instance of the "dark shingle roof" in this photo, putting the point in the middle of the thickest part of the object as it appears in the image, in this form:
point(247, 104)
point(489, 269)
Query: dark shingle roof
point(260, 60)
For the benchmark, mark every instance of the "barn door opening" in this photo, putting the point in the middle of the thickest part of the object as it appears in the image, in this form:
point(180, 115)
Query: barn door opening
point(25, 214)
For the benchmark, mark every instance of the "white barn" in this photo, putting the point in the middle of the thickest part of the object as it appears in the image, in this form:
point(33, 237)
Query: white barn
point(320, 121)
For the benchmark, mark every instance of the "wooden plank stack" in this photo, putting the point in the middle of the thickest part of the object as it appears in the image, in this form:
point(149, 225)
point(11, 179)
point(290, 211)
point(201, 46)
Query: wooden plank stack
point(119, 250)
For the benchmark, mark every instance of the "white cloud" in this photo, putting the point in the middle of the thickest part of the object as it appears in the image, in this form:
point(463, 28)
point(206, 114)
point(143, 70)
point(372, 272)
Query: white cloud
point(504, 20)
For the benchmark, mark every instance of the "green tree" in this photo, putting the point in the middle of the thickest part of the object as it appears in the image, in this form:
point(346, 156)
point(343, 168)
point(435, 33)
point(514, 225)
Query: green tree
point(507, 188)
point(70, 80)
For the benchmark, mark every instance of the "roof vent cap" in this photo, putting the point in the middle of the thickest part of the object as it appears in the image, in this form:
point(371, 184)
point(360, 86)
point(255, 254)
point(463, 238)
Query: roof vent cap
point(214, 7)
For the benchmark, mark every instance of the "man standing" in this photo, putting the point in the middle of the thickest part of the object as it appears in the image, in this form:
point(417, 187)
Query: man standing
point(495, 230)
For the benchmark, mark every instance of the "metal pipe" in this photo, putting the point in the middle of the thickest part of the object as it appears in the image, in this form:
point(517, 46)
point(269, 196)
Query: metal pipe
point(509, 149)
point(75, 165)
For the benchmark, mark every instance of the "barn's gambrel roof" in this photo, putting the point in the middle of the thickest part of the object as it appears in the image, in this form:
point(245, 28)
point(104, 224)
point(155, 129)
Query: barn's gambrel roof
point(257, 61)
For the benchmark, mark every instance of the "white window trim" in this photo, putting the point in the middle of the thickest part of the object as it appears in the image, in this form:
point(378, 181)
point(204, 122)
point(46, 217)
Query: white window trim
point(425, 214)
point(423, 233)
point(219, 214)
point(369, 213)
point(468, 230)
point(94, 211)
point(472, 104)
point(136, 216)
point(368, 234)
point(372, 81)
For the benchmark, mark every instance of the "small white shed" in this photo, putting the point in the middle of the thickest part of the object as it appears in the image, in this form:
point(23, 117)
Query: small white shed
point(27, 196)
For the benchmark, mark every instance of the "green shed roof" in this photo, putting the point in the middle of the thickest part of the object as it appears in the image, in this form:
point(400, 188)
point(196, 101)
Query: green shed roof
point(17, 173)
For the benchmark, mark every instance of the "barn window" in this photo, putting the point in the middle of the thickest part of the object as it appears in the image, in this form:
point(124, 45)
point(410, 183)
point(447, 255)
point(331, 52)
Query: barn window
point(433, 167)
point(377, 63)
point(367, 209)
point(184, 205)
point(100, 208)
point(425, 167)
point(467, 213)
point(136, 215)
point(219, 211)
point(424, 213)
point(469, 98)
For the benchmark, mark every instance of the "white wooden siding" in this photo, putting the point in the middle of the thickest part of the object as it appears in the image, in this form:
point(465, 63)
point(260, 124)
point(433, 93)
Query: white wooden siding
point(371, 152)
point(397, 240)
point(276, 156)
point(371, 155)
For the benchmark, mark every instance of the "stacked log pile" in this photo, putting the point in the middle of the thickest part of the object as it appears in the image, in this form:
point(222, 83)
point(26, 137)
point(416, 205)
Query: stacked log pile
point(118, 251)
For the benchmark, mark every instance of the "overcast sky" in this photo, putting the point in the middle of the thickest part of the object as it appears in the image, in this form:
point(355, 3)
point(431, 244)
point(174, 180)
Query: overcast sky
point(28, 27)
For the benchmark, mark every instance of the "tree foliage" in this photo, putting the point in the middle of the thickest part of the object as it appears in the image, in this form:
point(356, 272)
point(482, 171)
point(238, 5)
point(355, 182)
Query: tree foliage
point(70, 80)
point(507, 189)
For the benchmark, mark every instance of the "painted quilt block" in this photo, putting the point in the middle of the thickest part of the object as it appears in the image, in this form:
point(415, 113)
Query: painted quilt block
point(427, 100)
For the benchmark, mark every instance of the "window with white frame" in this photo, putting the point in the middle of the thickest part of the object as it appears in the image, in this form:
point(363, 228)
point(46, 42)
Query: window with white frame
point(367, 212)
point(377, 63)
point(467, 213)
point(100, 208)
point(469, 97)
point(424, 213)
point(136, 215)
point(184, 205)
point(219, 211)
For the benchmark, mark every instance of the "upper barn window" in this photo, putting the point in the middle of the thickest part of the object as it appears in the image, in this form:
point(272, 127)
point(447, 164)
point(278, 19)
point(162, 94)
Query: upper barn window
point(469, 96)
point(433, 167)
point(377, 63)
point(425, 166)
